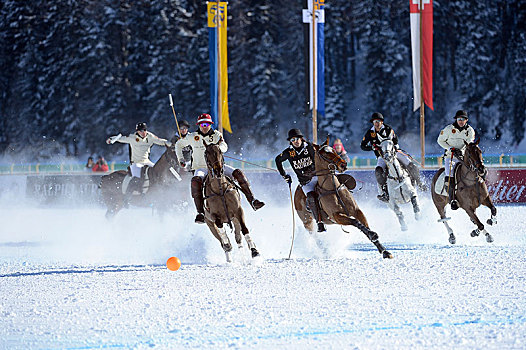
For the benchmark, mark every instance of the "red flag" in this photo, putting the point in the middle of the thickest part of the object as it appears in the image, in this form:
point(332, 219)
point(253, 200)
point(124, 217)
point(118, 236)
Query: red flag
point(426, 61)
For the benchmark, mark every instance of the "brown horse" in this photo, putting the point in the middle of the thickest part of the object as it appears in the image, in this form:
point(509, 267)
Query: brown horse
point(336, 202)
point(223, 204)
point(160, 178)
point(471, 191)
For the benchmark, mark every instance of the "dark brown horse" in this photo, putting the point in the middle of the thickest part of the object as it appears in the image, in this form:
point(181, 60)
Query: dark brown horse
point(337, 204)
point(160, 177)
point(223, 204)
point(471, 193)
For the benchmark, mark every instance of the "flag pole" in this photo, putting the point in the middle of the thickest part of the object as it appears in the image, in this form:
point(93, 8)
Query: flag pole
point(219, 97)
point(314, 87)
point(422, 116)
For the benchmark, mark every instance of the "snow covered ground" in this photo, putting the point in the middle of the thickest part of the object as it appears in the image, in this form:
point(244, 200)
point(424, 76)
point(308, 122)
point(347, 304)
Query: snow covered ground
point(71, 280)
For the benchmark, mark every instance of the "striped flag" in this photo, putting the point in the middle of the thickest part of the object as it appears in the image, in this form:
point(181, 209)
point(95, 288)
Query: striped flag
point(314, 47)
point(422, 10)
point(217, 40)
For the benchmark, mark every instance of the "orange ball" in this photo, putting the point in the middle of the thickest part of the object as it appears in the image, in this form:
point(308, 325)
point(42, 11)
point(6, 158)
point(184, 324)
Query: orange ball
point(173, 263)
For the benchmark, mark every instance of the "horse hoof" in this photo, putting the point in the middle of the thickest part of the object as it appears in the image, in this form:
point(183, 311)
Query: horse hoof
point(452, 238)
point(475, 233)
point(489, 238)
point(227, 247)
point(403, 227)
point(491, 222)
point(255, 252)
point(418, 216)
point(387, 255)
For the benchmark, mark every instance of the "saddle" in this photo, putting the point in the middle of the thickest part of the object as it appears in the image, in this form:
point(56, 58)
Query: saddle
point(440, 185)
point(144, 177)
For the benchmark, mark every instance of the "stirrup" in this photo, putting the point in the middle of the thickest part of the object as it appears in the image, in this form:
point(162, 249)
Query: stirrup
point(384, 197)
point(200, 218)
point(321, 227)
point(256, 204)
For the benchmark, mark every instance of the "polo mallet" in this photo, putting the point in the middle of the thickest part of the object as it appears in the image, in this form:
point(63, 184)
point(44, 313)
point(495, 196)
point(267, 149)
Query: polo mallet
point(175, 116)
point(293, 220)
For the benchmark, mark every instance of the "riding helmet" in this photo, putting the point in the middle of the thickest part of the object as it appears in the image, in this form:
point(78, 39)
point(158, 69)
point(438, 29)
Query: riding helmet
point(461, 114)
point(294, 133)
point(141, 127)
point(204, 118)
point(184, 123)
point(376, 116)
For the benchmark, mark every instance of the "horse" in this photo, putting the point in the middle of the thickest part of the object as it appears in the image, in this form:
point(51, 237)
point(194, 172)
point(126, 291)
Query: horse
point(223, 204)
point(157, 180)
point(337, 205)
point(471, 193)
point(400, 187)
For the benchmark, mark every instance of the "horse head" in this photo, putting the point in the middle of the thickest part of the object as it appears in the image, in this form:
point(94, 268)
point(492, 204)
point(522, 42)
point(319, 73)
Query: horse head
point(473, 159)
point(171, 156)
point(328, 158)
point(387, 150)
point(214, 159)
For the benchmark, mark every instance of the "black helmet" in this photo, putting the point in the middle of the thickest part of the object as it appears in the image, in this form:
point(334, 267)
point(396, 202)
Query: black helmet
point(184, 123)
point(376, 116)
point(461, 113)
point(140, 127)
point(294, 133)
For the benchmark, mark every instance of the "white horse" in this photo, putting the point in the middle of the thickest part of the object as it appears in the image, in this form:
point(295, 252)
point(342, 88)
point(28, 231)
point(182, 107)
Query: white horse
point(399, 185)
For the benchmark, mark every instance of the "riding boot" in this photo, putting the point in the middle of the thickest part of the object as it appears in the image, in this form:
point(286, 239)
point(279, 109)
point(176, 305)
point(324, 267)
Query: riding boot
point(381, 178)
point(450, 182)
point(314, 206)
point(245, 188)
point(133, 185)
point(197, 195)
point(414, 173)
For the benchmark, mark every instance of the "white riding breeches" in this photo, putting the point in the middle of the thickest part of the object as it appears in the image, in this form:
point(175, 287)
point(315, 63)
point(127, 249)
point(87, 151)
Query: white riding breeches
point(311, 186)
point(135, 168)
point(449, 165)
point(402, 158)
point(202, 172)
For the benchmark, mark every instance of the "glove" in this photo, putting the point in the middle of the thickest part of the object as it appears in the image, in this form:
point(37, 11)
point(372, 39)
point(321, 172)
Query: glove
point(287, 178)
point(457, 153)
point(112, 139)
point(168, 144)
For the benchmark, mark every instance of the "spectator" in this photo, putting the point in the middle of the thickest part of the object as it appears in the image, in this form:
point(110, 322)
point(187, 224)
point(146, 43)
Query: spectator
point(101, 165)
point(89, 164)
point(338, 147)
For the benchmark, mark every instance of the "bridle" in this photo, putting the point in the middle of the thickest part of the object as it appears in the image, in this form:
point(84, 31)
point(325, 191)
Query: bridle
point(473, 161)
point(216, 167)
point(332, 164)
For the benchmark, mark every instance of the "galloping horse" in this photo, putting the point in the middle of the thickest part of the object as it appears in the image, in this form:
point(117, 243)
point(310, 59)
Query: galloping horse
point(471, 191)
point(336, 202)
point(223, 204)
point(160, 178)
point(401, 189)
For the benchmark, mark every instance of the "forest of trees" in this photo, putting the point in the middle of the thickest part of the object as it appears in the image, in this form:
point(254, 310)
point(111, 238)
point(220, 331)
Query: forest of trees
point(75, 71)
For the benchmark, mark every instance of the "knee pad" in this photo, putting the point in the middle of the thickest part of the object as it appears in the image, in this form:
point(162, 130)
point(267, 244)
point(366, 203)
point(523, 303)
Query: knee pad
point(197, 186)
point(381, 177)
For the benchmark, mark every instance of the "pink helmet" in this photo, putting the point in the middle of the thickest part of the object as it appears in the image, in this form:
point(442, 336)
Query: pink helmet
point(204, 118)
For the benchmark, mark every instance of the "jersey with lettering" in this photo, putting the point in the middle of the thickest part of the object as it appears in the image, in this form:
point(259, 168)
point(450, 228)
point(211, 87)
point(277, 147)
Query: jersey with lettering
point(301, 159)
point(372, 138)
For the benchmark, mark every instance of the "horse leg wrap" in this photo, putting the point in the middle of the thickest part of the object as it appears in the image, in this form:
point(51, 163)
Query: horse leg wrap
point(373, 236)
point(249, 241)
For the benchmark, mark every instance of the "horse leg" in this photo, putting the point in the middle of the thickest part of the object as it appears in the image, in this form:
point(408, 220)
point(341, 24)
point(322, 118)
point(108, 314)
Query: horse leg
point(343, 219)
point(416, 208)
point(218, 230)
point(480, 226)
point(246, 234)
point(396, 208)
point(440, 204)
point(237, 234)
point(488, 203)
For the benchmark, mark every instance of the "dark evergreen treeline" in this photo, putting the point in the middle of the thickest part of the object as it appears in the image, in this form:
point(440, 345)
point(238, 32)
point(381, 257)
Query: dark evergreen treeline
point(75, 71)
